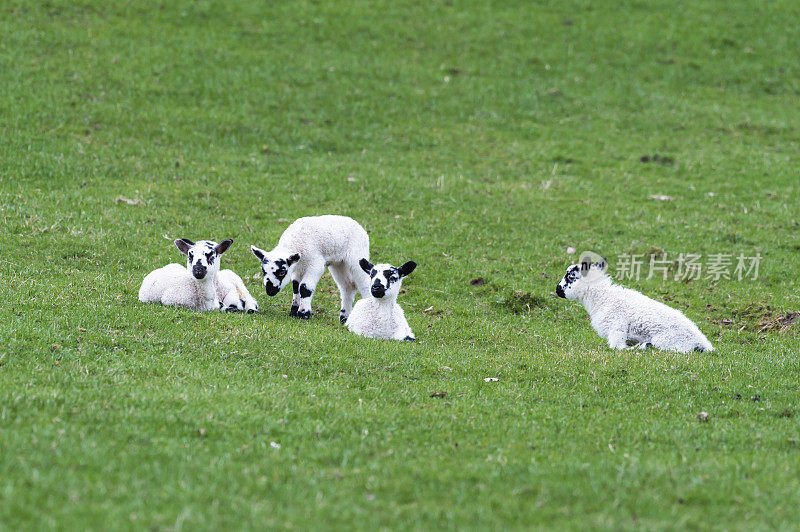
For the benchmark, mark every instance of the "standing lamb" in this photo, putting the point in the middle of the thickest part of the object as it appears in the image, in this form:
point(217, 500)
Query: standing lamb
point(200, 285)
point(305, 248)
point(624, 316)
point(380, 316)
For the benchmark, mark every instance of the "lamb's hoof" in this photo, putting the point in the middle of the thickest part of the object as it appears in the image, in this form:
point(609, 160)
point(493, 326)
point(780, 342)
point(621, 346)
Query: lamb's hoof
point(252, 310)
point(342, 319)
point(304, 314)
point(648, 345)
point(293, 310)
point(409, 339)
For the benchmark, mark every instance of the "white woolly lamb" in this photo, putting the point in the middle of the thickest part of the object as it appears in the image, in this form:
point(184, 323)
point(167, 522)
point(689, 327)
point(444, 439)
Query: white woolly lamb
point(380, 316)
point(624, 316)
point(200, 285)
point(305, 248)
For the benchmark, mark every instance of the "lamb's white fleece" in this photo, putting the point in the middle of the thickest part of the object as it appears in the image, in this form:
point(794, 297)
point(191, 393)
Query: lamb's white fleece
point(379, 318)
point(233, 294)
point(378, 315)
point(305, 248)
point(624, 316)
point(210, 289)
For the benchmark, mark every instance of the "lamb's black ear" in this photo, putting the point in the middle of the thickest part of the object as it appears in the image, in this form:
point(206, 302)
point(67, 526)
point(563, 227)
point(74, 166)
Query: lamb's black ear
point(184, 244)
point(259, 253)
point(585, 265)
point(223, 246)
point(294, 257)
point(407, 268)
point(365, 265)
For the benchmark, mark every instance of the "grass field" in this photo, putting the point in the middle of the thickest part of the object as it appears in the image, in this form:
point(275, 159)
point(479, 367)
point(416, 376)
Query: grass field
point(481, 139)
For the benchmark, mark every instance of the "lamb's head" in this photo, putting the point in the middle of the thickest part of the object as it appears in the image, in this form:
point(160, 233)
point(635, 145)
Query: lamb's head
point(275, 266)
point(203, 256)
point(580, 276)
point(385, 279)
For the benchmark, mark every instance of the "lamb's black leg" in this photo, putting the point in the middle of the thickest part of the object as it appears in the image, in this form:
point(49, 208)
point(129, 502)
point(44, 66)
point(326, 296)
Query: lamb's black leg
point(295, 291)
point(305, 298)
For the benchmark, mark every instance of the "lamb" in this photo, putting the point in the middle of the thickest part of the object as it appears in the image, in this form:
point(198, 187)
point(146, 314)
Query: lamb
point(380, 316)
point(200, 285)
point(624, 316)
point(304, 249)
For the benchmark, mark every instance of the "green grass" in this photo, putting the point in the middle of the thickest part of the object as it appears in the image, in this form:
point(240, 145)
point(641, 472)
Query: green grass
point(479, 139)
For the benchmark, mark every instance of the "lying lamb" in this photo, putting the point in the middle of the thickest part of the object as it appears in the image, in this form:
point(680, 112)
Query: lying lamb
point(305, 248)
point(624, 316)
point(380, 316)
point(200, 285)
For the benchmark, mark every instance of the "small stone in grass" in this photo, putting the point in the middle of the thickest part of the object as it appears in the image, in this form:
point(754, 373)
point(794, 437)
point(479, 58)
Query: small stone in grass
point(703, 416)
point(491, 379)
point(571, 250)
point(661, 197)
point(201, 432)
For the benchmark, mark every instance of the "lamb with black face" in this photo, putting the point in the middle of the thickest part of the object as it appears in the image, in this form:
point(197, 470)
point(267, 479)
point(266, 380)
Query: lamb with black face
point(305, 249)
point(275, 268)
point(380, 316)
point(201, 285)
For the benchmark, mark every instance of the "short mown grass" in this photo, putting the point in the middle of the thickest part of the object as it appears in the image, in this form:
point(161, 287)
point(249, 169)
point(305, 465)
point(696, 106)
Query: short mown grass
point(481, 139)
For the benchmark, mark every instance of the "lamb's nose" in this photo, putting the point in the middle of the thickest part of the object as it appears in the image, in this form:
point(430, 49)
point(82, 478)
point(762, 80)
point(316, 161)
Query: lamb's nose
point(198, 271)
point(271, 289)
point(378, 291)
point(560, 291)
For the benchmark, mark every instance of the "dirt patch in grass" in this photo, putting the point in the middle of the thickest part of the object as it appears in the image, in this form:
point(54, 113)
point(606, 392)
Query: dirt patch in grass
point(760, 317)
point(752, 314)
point(658, 159)
point(778, 323)
point(520, 302)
